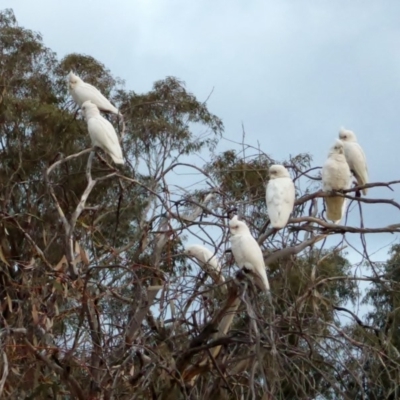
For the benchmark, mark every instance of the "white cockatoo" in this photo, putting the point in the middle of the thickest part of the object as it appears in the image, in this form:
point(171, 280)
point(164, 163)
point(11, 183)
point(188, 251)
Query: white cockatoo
point(246, 252)
point(82, 91)
point(336, 175)
point(101, 132)
point(355, 157)
point(207, 261)
point(280, 194)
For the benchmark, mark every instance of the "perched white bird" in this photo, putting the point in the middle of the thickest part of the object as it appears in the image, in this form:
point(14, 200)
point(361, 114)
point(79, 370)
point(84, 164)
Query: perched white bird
point(355, 157)
point(82, 91)
point(280, 194)
point(247, 252)
point(102, 132)
point(207, 261)
point(336, 175)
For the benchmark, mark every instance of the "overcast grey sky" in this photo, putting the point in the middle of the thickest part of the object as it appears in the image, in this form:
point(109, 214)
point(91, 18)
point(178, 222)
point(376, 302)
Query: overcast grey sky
point(293, 71)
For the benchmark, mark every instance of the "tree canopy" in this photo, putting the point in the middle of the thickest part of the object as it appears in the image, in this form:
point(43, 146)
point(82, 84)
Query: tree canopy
point(98, 299)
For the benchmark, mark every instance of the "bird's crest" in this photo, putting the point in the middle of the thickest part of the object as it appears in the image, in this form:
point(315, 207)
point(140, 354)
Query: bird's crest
point(337, 148)
point(347, 135)
point(87, 104)
point(278, 171)
point(234, 220)
point(237, 226)
point(72, 78)
point(89, 109)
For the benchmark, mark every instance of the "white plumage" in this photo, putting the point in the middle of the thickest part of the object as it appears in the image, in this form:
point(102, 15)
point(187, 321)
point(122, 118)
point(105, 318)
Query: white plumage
point(280, 195)
point(102, 132)
point(82, 91)
point(247, 252)
point(336, 175)
point(207, 261)
point(355, 157)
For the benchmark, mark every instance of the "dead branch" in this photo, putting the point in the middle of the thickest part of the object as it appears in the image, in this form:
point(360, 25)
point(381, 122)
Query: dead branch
point(289, 251)
point(69, 226)
point(5, 372)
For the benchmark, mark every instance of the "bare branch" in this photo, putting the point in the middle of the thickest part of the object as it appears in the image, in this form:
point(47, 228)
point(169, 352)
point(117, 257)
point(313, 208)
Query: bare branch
point(5, 372)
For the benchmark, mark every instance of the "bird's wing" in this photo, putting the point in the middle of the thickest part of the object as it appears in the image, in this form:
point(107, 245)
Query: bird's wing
point(202, 254)
point(211, 261)
point(89, 92)
point(357, 162)
point(280, 200)
point(103, 135)
point(209, 264)
point(213, 267)
point(248, 255)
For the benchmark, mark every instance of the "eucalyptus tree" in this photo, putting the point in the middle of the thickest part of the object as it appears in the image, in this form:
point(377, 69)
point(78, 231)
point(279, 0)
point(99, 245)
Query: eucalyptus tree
point(98, 297)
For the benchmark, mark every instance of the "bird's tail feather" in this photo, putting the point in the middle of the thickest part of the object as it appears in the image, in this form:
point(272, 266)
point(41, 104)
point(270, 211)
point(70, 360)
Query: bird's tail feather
point(361, 181)
point(117, 160)
point(335, 207)
point(262, 281)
